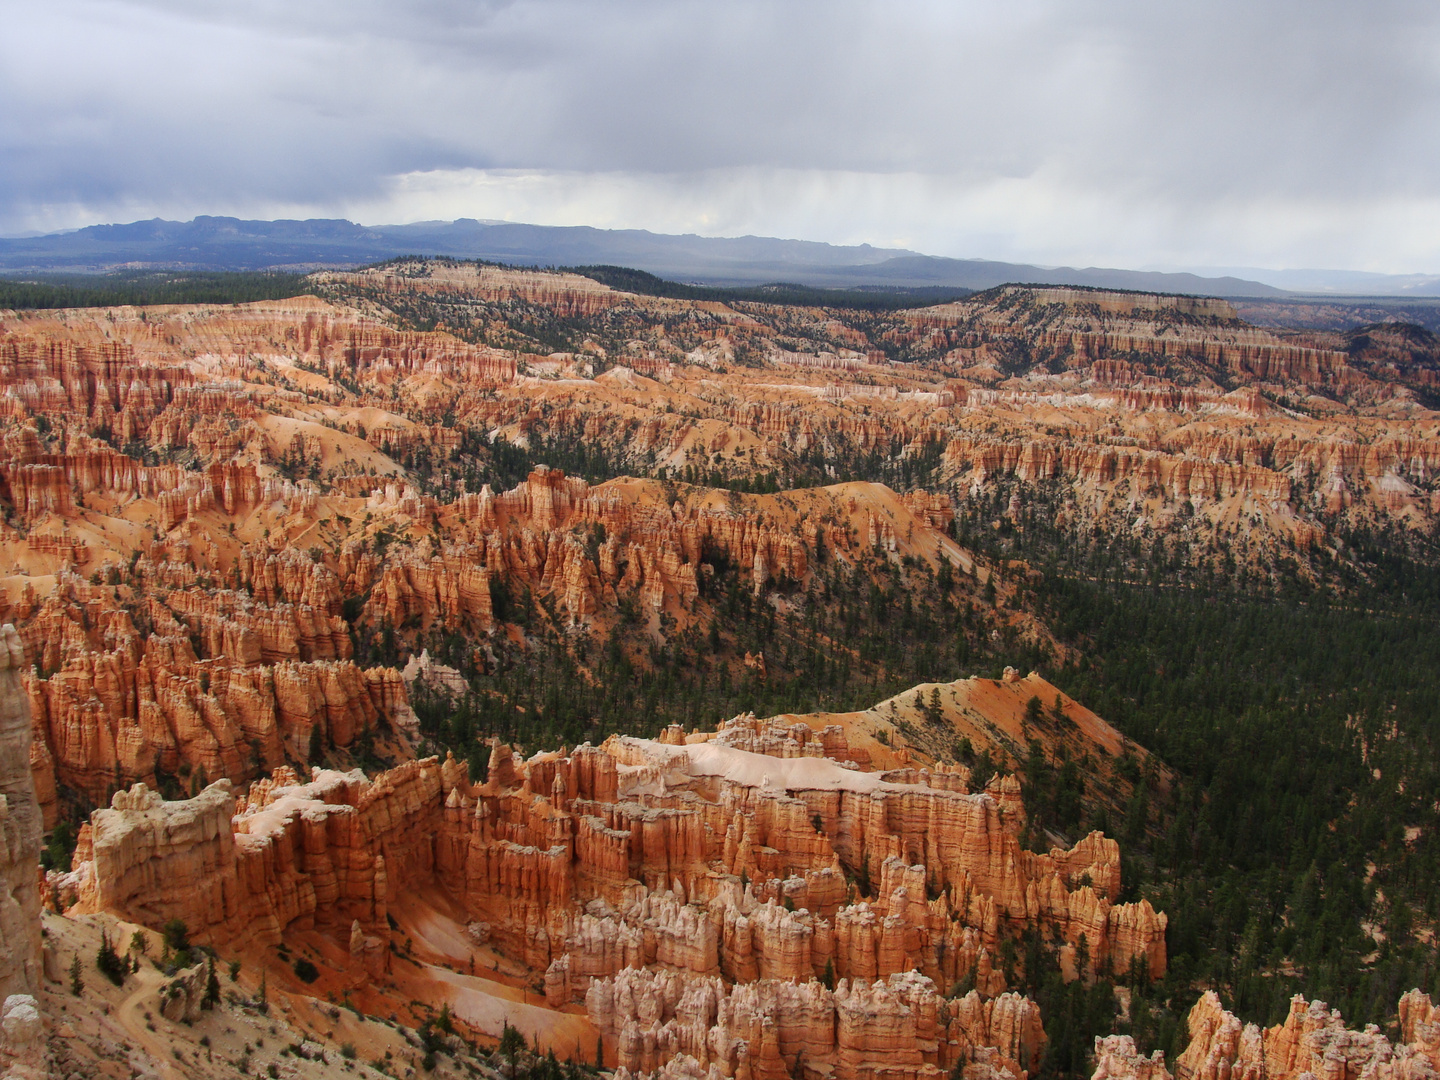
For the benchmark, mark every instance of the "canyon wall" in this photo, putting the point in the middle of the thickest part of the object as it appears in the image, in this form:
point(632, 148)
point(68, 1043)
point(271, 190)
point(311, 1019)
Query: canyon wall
point(20, 825)
point(897, 1028)
point(1312, 1041)
point(286, 855)
point(203, 657)
point(218, 683)
point(746, 910)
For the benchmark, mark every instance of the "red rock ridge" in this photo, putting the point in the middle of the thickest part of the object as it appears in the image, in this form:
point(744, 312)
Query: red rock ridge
point(122, 706)
point(720, 872)
point(20, 825)
point(1312, 1041)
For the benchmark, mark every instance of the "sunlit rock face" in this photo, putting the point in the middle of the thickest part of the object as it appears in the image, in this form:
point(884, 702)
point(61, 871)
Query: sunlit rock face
point(20, 826)
point(748, 910)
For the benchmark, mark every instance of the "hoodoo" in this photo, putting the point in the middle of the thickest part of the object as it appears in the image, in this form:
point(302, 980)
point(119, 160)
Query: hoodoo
point(20, 820)
point(698, 898)
point(371, 650)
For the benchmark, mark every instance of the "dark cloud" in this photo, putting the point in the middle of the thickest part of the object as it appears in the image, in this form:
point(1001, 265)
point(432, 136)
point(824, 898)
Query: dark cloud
point(1181, 116)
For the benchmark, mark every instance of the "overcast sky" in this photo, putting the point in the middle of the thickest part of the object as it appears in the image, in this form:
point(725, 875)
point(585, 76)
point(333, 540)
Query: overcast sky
point(1141, 134)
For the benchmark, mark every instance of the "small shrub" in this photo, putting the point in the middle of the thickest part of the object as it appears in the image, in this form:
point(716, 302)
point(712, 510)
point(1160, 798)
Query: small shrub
point(177, 935)
point(306, 971)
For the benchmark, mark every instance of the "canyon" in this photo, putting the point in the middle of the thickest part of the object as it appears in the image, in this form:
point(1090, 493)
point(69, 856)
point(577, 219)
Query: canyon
point(417, 628)
point(746, 910)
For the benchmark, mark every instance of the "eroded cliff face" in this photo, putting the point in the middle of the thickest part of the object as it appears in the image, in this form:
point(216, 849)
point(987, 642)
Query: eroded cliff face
point(20, 826)
point(215, 510)
point(225, 652)
point(286, 855)
point(667, 1024)
point(546, 534)
point(225, 527)
point(191, 683)
point(1311, 1041)
point(1121, 398)
point(757, 914)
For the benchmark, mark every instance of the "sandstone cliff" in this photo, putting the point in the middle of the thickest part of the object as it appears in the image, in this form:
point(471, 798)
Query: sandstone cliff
point(20, 823)
point(699, 898)
point(220, 684)
point(1311, 1041)
point(898, 1028)
point(287, 855)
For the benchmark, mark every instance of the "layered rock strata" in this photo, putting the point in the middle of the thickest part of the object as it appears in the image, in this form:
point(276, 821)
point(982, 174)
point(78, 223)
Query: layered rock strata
point(897, 1028)
point(208, 658)
point(1312, 1041)
point(700, 899)
point(285, 855)
point(218, 685)
point(20, 827)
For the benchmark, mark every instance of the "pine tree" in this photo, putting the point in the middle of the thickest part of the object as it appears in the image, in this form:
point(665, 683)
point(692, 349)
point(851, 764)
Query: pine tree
point(109, 962)
point(77, 982)
point(511, 1043)
point(1033, 710)
point(212, 986)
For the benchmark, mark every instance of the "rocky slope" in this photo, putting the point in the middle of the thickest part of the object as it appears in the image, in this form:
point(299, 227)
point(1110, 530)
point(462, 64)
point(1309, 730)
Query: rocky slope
point(159, 1026)
point(1018, 722)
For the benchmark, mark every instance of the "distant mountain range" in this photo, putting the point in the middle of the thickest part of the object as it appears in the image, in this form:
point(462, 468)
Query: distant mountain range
point(221, 243)
point(1336, 282)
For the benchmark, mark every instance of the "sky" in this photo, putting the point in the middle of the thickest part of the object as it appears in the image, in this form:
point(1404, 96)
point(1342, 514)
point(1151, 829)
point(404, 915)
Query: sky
point(1127, 133)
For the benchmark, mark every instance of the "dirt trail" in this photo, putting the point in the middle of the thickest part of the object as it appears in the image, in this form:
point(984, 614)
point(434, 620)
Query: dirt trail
point(130, 1015)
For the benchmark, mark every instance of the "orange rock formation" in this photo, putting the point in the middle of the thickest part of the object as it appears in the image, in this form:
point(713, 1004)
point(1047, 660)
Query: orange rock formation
point(693, 894)
point(219, 685)
point(20, 829)
point(1312, 1041)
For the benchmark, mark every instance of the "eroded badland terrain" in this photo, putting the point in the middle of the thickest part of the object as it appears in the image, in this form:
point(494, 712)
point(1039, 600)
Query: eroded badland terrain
point(475, 671)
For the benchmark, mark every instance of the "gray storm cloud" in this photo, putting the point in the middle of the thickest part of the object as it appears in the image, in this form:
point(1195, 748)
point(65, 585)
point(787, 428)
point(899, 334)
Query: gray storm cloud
point(1143, 132)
